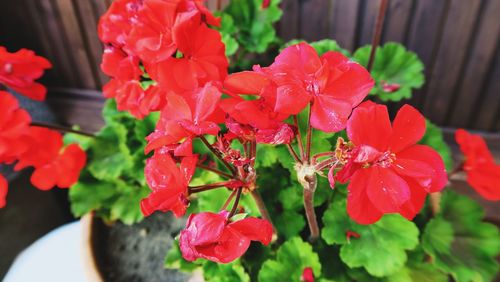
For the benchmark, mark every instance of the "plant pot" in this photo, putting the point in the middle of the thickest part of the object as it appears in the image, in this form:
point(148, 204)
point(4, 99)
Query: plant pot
point(119, 252)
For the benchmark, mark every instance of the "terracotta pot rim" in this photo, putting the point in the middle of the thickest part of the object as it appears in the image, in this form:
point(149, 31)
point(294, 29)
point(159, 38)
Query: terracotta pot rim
point(92, 272)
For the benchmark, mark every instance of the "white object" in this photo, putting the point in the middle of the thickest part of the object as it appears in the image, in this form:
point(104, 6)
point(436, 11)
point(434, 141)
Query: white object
point(56, 257)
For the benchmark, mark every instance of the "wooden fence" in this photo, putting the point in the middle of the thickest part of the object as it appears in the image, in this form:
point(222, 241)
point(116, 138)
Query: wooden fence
point(458, 40)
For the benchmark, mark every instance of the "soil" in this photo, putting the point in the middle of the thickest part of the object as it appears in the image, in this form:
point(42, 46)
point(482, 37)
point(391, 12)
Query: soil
point(136, 253)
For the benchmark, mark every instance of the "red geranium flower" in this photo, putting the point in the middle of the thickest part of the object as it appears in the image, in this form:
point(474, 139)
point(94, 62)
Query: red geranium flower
point(482, 172)
point(19, 71)
point(202, 57)
point(4, 185)
point(116, 23)
point(307, 275)
point(187, 116)
point(168, 182)
point(332, 83)
point(54, 165)
point(213, 237)
point(14, 122)
point(117, 64)
point(388, 171)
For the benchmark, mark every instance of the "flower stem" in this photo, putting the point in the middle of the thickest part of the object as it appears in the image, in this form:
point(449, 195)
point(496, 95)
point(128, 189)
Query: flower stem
point(307, 158)
point(293, 153)
point(262, 209)
point(229, 199)
point(309, 189)
point(435, 199)
point(217, 154)
point(299, 136)
point(236, 202)
point(206, 187)
point(61, 128)
point(377, 34)
point(214, 170)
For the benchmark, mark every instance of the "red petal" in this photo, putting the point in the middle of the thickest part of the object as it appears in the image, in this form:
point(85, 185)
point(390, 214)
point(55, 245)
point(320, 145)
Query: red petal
point(417, 200)
point(291, 99)
point(485, 181)
point(254, 229)
point(329, 114)
point(44, 178)
point(359, 206)
point(3, 191)
point(230, 246)
point(370, 125)
point(205, 227)
point(407, 129)
point(246, 82)
point(387, 191)
point(430, 157)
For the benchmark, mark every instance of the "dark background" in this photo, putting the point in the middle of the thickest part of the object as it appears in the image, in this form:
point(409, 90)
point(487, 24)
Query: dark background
point(458, 41)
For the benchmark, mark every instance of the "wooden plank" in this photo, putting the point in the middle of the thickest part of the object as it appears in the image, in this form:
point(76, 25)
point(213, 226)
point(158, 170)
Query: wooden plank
point(450, 57)
point(88, 24)
point(314, 19)
point(75, 44)
point(469, 97)
point(367, 21)
point(289, 24)
point(423, 39)
point(62, 58)
point(397, 20)
point(343, 22)
point(77, 107)
point(100, 7)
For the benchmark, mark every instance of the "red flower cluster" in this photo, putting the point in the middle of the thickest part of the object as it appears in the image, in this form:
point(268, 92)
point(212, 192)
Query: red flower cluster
point(167, 39)
point(19, 71)
point(483, 174)
point(388, 171)
point(214, 237)
point(332, 84)
point(37, 147)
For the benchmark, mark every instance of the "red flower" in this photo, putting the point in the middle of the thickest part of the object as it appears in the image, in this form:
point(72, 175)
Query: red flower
point(307, 275)
point(19, 71)
point(3, 191)
point(388, 171)
point(14, 122)
point(266, 125)
point(332, 83)
point(54, 165)
point(482, 172)
point(169, 183)
point(116, 23)
point(213, 237)
point(187, 116)
point(203, 58)
point(117, 64)
point(265, 4)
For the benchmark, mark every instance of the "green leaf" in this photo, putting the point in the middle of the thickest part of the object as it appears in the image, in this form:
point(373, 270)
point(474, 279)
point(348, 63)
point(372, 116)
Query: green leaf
point(434, 137)
point(393, 65)
point(231, 272)
point(418, 273)
point(289, 223)
point(381, 248)
point(470, 245)
point(90, 195)
point(291, 259)
point(321, 46)
point(110, 155)
point(126, 207)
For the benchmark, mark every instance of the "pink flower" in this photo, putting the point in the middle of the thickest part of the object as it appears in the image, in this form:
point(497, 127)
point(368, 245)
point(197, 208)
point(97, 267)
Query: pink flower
point(213, 237)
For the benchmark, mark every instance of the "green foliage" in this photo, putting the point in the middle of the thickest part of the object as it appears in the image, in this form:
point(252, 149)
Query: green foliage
point(460, 243)
point(231, 272)
point(321, 46)
point(174, 260)
point(434, 137)
point(113, 184)
point(291, 259)
point(381, 248)
point(393, 65)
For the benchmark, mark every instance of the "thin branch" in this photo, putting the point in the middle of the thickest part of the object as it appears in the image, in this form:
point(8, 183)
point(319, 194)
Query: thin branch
point(312, 221)
point(236, 202)
point(207, 187)
point(229, 199)
point(61, 128)
point(293, 153)
point(299, 136)
point(214, 170)
point(377, 34)
point(309, 137)
point(217, 154)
